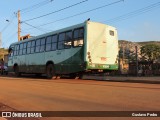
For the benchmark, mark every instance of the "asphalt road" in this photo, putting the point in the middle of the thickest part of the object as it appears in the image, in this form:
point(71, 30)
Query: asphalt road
point(36, 94)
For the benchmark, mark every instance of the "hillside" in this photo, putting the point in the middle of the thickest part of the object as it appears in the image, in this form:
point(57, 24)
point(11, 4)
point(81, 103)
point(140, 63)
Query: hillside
point(139, 43)
point(149, 42)
point(128, 48)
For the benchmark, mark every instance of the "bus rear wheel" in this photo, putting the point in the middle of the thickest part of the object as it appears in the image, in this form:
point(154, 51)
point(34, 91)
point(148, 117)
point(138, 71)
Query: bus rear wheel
point(50, 71)
point(72, 76)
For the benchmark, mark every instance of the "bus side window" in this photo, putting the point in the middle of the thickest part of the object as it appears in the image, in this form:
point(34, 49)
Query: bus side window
point(42, 46)
point(54, 42)
point(16, 51)
point(48, 43)
point(21, 49)
point(68, 35)
point(37, 45)
point(29, 47)
point(51, 43)
point(68, 38)
point(61, 41)
point(33, 46)
point(24, 48)
point(78, 37)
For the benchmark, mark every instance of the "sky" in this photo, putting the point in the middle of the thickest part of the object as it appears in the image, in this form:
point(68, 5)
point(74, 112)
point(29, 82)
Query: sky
point(135, 20)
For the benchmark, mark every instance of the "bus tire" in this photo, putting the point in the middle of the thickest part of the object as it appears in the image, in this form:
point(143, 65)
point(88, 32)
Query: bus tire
point(38, 74)
point(16, 70)
point(50, 71)
point(72, 76)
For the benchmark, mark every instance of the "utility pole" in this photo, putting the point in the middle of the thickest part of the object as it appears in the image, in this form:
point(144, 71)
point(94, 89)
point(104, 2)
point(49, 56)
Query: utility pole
point(136, 60)
point(19, 25)
point(123, 54)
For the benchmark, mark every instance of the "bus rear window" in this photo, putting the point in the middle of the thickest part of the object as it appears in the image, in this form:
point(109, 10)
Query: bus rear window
point(111, 32)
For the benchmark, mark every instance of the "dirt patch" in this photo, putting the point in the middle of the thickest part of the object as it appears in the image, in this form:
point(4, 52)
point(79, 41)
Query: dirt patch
point(4, 107)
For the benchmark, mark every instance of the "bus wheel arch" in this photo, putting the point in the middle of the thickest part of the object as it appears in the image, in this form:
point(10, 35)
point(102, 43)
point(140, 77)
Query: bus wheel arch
point(50, 69)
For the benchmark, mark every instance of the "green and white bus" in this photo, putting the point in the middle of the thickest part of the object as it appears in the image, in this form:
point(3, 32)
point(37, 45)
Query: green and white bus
point(85, 47)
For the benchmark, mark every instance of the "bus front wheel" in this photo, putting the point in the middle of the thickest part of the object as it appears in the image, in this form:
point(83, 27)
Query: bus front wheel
point(16, 70)
point(50, 71)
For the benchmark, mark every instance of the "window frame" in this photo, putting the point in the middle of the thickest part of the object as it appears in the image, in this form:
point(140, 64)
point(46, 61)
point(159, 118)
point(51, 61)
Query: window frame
point(24, 48)
point(33, 47)
point(111, 33)
point(52, 42)
point(20, 49)
point(68, 40)
point(65, 40)
point(40, 45)
point(29, 47)
point(44, 44)
point(16, 50)
point(79, 38)
point(39, 39)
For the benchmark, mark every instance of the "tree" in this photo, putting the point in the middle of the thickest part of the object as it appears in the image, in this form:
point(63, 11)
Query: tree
point(150, 52)
point(3, 52)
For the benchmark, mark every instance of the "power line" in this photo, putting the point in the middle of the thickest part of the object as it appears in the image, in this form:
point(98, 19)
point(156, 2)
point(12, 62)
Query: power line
point(134, 13)
point(4, 43)
point(81, 13)
point(26, 32)
point(24, 11)
point(9, 22)
point(35, 6)
point(40, 29)
point(57, 10)
point(31, 7)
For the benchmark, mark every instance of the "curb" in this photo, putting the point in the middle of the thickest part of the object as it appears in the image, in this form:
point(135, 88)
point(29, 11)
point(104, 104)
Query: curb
point(136, 81)
point(121, 79)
